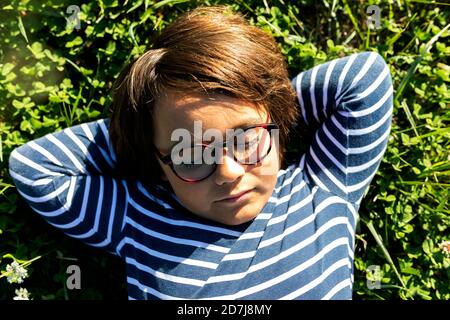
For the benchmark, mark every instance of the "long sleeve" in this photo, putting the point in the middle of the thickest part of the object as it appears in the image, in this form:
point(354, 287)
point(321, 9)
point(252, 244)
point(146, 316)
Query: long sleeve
point(65, 177)
point(350, 101)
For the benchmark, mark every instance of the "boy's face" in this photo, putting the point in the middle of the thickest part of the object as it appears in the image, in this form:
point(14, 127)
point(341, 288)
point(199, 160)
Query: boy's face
point(204, 198)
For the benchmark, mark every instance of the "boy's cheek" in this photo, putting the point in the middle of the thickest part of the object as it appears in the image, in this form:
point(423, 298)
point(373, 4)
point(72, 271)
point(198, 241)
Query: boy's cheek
point(268, 171)
point(270, 166)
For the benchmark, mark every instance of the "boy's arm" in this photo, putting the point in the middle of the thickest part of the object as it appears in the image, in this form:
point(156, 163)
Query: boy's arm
point(64, 177)
point(351, 100)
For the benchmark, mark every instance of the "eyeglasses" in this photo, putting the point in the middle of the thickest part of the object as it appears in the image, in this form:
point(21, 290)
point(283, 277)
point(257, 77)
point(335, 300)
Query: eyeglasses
point(249, 145)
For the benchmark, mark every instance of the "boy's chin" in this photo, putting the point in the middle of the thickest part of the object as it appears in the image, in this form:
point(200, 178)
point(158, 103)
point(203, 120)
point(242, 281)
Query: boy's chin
point(237, 220)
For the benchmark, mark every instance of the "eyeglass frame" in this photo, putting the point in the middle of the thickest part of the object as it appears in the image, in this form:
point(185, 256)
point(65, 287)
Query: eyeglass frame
point(167, 159)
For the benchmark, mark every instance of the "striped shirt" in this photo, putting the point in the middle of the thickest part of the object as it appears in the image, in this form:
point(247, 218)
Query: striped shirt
point(301, 244)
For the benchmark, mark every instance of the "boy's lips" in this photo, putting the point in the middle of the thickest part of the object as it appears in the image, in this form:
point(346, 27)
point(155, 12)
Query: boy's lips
point(235, 195)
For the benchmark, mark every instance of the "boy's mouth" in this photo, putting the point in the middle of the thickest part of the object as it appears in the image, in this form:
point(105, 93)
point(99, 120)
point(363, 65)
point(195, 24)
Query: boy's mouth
point(236, 196)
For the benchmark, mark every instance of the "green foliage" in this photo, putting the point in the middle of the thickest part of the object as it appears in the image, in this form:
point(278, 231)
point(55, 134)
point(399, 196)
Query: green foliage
point(53, 75)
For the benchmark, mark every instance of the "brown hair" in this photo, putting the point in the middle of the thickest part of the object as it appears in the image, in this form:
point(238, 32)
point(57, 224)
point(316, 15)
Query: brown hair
point(209, 50)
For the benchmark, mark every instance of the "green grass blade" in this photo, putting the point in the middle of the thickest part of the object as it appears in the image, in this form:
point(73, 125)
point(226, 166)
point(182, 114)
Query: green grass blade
point(22, 29)
point(410, 118)
point(133, 38)
point(353, 19)
point(168, 2)
point(416, 62)
point(430, 2)
point(392, 40)
point(383, 248)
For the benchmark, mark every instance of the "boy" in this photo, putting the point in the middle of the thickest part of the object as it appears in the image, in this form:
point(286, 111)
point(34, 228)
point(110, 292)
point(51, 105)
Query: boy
point(248, 226)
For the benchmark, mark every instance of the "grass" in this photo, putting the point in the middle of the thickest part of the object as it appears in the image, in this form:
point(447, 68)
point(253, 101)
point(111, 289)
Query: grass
point(49, 80)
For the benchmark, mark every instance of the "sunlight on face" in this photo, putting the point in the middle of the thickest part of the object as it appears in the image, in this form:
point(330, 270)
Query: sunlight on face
point(205, 198)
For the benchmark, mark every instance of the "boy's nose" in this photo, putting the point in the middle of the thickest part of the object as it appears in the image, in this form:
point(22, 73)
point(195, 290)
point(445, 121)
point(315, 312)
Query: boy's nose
point(228, 170)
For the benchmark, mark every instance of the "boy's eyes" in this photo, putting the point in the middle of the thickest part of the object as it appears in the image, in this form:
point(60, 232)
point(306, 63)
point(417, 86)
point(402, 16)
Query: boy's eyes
point(248, 143)
point(197, 162)
point(242, 145)
point(192, 151)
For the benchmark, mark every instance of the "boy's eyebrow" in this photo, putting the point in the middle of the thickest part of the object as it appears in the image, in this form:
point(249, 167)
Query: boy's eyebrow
point(243, 124)
point(247, 123)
